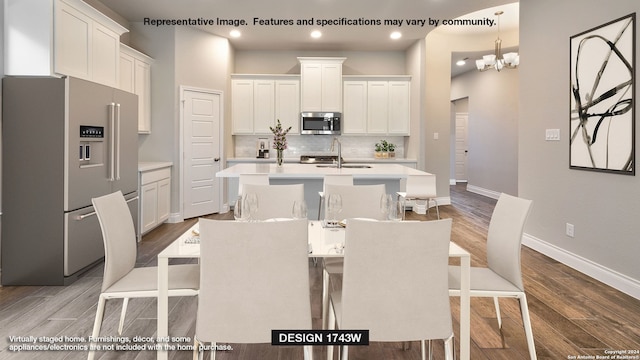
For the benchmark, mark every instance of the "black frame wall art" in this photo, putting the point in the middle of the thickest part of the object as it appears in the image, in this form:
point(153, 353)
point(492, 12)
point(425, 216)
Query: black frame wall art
point(602, 120)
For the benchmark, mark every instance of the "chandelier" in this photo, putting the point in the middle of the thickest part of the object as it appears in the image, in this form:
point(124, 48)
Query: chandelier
point(498, 61)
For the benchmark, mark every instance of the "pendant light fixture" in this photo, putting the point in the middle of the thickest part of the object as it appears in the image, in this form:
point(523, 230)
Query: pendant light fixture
point(497, 60)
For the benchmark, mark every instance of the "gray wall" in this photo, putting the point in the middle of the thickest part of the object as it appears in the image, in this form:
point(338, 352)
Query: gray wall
point(492, 128)
point(603, 207)
point(184, 56)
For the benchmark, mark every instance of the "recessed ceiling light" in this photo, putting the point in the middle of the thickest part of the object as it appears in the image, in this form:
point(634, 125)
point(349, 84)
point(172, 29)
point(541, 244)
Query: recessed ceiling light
point(234, 33)
point(462, 62)
point(316, 34)
point(396, 35)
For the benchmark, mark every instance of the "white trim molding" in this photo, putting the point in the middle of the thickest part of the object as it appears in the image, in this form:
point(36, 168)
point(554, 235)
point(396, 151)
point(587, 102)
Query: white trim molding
point(485, 192)
point(608, 276)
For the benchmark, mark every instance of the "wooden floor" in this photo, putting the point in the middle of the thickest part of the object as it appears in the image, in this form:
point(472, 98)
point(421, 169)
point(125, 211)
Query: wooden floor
point(571, 313)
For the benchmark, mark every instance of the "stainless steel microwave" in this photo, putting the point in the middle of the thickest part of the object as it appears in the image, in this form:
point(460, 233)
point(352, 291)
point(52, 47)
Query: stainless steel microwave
point(320, 123)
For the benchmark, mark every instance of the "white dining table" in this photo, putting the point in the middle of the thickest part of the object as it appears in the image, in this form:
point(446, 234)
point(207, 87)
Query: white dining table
point(323, 242)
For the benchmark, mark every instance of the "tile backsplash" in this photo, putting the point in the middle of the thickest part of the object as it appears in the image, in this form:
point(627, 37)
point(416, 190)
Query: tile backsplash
point(352, 146)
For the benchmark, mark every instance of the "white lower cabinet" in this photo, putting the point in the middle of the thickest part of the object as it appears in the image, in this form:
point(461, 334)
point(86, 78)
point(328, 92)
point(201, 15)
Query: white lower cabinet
point(155, 197)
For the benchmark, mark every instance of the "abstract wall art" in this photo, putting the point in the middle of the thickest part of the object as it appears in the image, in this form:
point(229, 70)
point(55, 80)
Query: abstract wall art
point(602, 120)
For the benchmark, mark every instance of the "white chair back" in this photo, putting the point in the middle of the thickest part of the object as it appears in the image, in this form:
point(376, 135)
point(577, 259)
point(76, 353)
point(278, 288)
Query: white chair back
point(336, 179)
point(254, 179)
point(275, 201)
point(505, 237)
point(358, 201)
point(255, 278)
point(421, 186)
point(408, 298)
point(119, 237)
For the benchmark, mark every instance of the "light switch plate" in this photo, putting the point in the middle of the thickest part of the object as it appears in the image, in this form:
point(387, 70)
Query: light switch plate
point(552, 135)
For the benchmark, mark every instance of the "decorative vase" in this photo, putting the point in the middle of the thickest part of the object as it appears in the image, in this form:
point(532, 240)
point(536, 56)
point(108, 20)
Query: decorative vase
point(279, 158)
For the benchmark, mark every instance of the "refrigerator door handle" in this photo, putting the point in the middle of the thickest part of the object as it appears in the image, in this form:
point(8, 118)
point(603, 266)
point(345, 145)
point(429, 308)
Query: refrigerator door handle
point(118, 141)
point(84, 216)
point(112, 140)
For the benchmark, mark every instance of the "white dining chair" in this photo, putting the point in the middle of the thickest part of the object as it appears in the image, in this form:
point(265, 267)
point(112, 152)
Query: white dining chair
point(275, 201)
point(122, 280)
point(358, 201)
point(503, 276)
point(332, 179)
point(253, 179)
point(255, 278)
point(421, 187)
point(405, 300)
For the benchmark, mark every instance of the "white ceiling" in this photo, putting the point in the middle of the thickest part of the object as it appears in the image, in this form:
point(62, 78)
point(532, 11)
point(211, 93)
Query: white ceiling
point(335, 37)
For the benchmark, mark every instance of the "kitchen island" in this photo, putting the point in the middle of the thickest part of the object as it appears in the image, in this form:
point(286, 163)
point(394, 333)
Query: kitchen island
point(311, 175)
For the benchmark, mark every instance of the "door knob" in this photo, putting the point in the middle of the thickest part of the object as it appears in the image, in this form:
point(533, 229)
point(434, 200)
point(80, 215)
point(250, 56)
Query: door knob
point(216, 159)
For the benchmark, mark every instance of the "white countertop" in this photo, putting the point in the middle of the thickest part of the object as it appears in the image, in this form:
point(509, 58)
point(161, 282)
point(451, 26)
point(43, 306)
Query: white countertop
point(310, 171)
point(153, 165)
point(347, 160)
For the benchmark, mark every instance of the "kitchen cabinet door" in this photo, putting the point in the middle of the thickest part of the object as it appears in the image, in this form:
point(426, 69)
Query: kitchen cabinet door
point(263, 106)
point(332, 87)
point(288, 104)
point(142, 87)
point(399, 108)
point(377, 107)
point(72, 38)
point(149, 206)
point(354, 114)
point(242, 106)
point(311, 77)
point(105, 57)
point(135, 77)
point(127, 72)
point(164, 200)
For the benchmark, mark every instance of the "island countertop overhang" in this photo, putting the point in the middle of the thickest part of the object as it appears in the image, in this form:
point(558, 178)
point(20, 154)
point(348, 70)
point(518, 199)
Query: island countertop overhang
point(311, 171)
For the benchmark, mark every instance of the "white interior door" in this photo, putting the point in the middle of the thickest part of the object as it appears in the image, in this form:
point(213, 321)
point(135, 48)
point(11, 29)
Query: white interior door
point(202, 119)
point(461, 146)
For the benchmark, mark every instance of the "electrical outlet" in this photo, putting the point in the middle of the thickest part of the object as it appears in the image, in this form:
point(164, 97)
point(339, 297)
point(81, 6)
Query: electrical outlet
point(569, 230)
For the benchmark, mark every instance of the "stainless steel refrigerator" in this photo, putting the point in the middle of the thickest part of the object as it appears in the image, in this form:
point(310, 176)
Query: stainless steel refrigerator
point(65, 141)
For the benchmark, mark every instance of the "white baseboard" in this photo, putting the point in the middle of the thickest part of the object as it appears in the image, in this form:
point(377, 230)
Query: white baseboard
point(608, 276)
point(485, 192)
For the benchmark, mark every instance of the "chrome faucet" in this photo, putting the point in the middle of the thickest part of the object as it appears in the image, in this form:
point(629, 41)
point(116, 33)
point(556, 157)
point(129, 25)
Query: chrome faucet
point(335, 139)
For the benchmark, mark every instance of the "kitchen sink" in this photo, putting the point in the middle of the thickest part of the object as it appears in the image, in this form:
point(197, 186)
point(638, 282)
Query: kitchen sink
point(348, 166)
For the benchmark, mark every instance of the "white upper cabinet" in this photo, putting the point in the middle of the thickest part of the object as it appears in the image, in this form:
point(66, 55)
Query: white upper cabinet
point(61, 37)
point(264, 105)
point(376, 105)
point(135, 77)
point(288, 104)
point(321, 84)
point(257, 101)
point(354, 114)
point(399, 107)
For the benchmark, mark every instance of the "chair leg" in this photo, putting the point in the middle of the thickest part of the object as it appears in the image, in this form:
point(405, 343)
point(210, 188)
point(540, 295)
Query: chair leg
point(214, 347)
point(437, 209)
point(320, 207)
point(97, 324)
point(325, 298)
point(125, 302)
point(196, 347)
point(526, 321)
point(497, 305)
point(345, 352)
point(308, 352)
point(330, 326)
point(422, 349)
point(448, 348)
